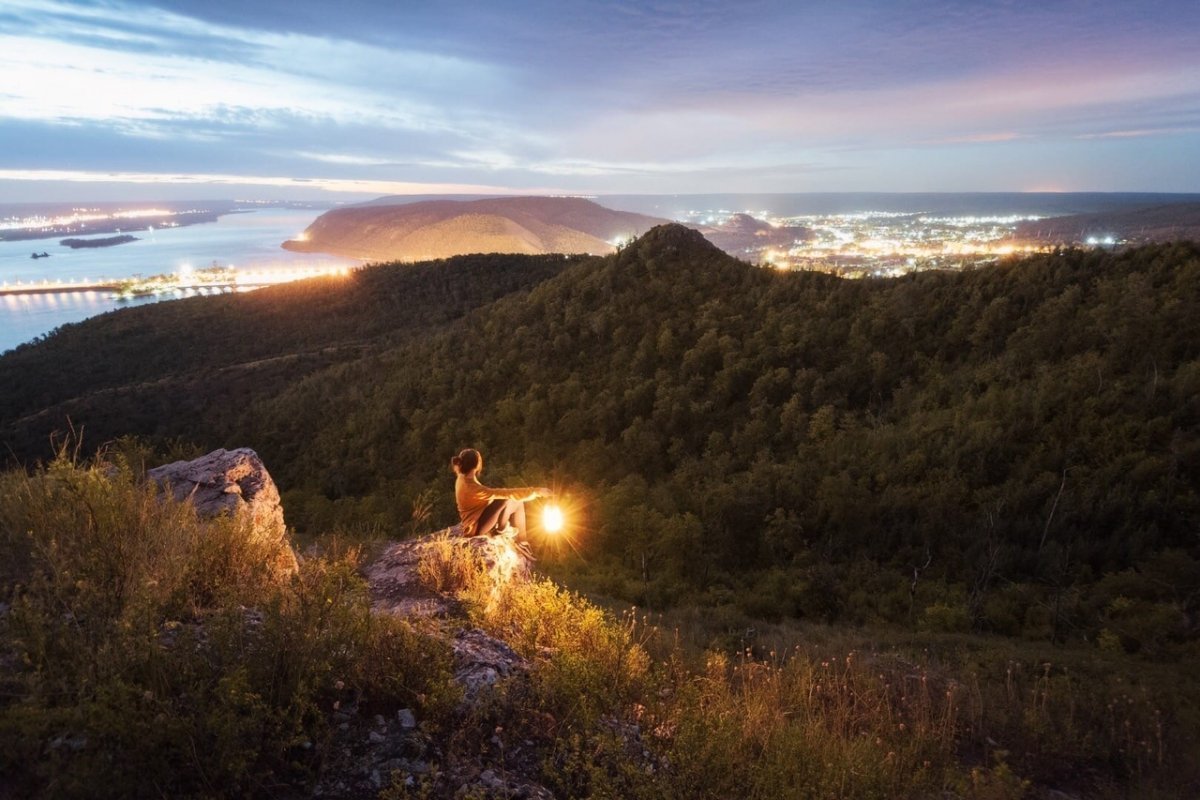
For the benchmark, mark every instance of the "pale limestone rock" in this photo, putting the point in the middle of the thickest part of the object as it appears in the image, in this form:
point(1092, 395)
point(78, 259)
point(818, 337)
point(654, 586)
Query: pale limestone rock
point(480, 660)
point(233, 483)
point(396, 587)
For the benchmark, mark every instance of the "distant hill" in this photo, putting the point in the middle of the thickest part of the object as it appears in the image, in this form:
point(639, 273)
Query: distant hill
point(1161, 223)
point(444, 228)
point(745, 237)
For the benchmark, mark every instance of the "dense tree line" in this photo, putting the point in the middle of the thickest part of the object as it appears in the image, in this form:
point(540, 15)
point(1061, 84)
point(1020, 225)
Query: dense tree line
point(1012, 448)
point(374, 307)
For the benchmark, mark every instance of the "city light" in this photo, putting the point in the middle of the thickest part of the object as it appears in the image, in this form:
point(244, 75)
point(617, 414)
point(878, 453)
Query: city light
point(885, 243)
point(79, 216)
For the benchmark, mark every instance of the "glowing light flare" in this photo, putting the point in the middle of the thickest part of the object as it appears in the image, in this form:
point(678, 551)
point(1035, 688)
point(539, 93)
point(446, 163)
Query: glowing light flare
point(552, 519)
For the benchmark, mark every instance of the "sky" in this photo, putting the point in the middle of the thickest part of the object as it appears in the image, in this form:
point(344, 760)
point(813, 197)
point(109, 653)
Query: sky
point(340, 99)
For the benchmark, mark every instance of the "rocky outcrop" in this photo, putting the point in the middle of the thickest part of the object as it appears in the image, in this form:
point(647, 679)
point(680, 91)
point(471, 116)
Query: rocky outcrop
point(400, 585)
point(232, 483)
point(370, 753)
point(398, 588)
point(480, 661)
point(417, 579)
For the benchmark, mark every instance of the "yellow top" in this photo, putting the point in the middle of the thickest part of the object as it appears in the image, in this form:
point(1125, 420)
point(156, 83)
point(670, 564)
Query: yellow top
point(473, 497)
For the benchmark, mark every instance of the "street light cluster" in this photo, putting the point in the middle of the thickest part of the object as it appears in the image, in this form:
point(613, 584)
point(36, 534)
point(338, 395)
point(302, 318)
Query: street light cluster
point(883, 243)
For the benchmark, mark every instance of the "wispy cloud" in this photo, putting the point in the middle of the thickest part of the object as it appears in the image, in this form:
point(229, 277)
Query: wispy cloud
point(978, 138)
point(1138, 133)
point(333, 185)
point(58, 68)
point(652, 96)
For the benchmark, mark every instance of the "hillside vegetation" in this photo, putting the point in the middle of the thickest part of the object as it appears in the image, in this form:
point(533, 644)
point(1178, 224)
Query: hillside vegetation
point(1010, 450)
point(147, 655)
point(201, 357)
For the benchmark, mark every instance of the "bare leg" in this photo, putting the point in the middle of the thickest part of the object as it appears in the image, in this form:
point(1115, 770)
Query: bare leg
point(519, 517)
point(494, 513)
point(514, 514)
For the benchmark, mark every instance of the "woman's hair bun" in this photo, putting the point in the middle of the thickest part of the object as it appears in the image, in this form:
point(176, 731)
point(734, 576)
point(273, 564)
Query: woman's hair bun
point(465, 461)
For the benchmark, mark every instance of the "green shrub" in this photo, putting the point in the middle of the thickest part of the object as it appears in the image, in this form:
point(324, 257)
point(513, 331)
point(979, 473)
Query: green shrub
point(154, 655)
point(181, 668)
point(945, 618)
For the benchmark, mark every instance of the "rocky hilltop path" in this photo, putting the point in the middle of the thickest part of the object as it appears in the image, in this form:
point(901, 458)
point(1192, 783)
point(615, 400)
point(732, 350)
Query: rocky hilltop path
point(370, 753)
point(416, 580)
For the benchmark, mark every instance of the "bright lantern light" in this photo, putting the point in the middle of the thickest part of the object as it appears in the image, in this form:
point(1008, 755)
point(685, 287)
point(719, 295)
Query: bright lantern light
point(552, 519)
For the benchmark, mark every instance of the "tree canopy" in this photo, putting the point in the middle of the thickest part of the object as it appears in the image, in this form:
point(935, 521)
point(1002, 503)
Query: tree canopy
point(1013, 448)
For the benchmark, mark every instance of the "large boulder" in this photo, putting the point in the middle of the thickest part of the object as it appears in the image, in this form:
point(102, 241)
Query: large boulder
point(233, 483)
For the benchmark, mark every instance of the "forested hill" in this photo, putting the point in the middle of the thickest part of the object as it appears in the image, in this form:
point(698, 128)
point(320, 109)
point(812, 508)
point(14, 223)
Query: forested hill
point(281, 332)
point(991, 448)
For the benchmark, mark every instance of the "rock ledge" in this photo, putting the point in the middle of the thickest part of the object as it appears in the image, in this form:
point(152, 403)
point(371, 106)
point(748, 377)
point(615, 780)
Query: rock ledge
point(233, 483)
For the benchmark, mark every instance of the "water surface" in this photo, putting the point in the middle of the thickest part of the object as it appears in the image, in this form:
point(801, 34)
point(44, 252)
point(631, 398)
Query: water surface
point(249, 239)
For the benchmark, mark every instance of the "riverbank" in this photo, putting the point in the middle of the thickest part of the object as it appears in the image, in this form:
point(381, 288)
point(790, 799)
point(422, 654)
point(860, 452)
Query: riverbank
point(75, 284)
point(52, 229)
point(57, 288)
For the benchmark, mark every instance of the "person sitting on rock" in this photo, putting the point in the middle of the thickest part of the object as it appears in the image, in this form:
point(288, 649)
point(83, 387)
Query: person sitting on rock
point(485, 510)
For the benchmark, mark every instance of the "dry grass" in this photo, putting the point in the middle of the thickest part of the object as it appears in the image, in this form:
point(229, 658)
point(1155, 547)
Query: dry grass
point(145, 653)
point(448, 566)
point(130, 642)
point(809, 711)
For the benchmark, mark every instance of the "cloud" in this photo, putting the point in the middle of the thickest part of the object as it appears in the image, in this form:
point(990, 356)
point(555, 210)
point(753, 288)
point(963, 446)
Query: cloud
point(1138, 133)
point(333, 185)
point(978, 138)
point(660, 95)
point(59, 71)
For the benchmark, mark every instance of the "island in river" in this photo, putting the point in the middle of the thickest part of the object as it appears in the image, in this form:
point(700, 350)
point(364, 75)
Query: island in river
point(107, 241)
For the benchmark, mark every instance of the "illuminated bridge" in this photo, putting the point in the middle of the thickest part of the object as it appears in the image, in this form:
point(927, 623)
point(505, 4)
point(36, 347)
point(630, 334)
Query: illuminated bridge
point(244, 280)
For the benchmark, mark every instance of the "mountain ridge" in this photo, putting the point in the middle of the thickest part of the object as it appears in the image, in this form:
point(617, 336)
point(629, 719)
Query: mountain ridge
point(1166, 222)
point(443, 228)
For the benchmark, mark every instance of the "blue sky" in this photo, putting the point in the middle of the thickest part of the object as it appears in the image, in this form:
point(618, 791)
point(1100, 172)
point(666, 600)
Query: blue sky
point(262, 98)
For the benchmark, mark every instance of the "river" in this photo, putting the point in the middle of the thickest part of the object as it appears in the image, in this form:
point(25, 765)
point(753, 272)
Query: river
point(249, 239)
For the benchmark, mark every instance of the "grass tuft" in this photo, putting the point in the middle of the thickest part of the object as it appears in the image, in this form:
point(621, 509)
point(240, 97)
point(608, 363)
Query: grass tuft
point(147, 653)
